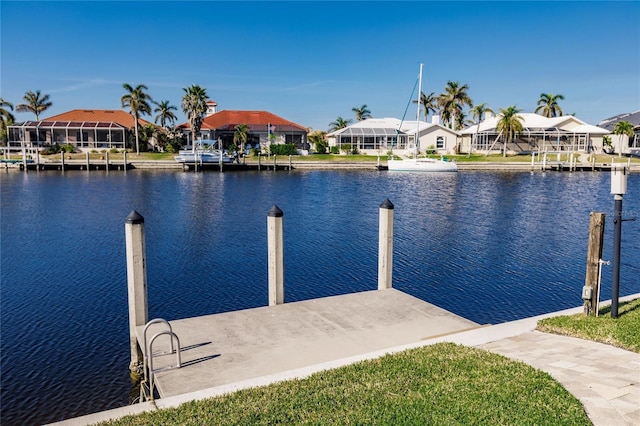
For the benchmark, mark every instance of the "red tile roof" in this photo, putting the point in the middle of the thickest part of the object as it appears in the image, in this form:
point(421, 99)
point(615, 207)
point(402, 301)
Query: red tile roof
point(228, 119)
point(99, 115)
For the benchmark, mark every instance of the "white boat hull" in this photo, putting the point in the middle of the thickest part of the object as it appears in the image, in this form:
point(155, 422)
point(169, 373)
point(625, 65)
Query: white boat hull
point(209, 156)
point(422, 165)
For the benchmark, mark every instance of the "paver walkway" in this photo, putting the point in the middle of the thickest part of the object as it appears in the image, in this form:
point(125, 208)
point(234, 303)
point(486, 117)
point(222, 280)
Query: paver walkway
point(604, 378)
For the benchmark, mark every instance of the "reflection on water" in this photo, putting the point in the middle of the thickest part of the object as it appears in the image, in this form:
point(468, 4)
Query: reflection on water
point(490, 246)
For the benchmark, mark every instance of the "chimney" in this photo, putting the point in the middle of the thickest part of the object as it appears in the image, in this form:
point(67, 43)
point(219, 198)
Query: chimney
point(212, 107)
point(435, 119)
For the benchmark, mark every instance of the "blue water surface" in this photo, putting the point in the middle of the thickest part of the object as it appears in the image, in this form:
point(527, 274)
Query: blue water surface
point(489, 246)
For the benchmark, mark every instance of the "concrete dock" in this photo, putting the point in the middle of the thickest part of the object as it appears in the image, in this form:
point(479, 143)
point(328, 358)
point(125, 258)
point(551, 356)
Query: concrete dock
point(241, 345)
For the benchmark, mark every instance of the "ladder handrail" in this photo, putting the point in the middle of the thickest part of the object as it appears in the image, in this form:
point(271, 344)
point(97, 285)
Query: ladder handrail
point(156, 321)
point(150, 348)
point(148, 351)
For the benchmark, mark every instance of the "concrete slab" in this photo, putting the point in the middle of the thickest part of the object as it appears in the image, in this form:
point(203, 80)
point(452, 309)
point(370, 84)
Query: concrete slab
point(237, 346)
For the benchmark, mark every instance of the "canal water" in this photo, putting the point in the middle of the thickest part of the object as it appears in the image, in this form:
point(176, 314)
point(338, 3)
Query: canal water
point(489, 246)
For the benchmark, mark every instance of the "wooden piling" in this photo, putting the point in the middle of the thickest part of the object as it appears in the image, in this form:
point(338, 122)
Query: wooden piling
point(385, 245)
point(275, 256)
point(62, 160)
point(136, 282)
point(594, 254)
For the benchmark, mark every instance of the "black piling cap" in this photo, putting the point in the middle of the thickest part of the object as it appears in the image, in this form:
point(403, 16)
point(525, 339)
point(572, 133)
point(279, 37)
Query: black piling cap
point(275, 212)
point(386, 204)
point(134, 218)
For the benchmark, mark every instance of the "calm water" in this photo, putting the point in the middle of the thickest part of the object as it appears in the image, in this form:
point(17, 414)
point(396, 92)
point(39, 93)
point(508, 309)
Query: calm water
point(491, 247)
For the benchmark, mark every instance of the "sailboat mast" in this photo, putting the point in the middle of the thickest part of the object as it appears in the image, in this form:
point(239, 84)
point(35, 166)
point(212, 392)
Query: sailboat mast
point(415, 142)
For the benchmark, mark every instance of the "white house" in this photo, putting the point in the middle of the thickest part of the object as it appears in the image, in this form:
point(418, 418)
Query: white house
point(564, 133)
point(381, 135)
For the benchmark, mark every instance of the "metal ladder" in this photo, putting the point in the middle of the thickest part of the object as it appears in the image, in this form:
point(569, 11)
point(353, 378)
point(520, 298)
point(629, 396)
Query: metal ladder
point(147, 386)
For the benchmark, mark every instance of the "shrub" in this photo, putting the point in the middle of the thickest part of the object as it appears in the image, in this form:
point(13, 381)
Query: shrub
point(321, 146)
point(286, 149)
point(68, 148)
point(335, 149)
point(346, 148)
point(113, 151)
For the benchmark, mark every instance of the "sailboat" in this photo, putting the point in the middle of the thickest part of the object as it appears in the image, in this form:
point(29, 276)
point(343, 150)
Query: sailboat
point(416, 164)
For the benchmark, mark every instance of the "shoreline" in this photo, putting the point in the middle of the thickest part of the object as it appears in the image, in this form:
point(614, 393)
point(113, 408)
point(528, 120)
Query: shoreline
point(633, 167)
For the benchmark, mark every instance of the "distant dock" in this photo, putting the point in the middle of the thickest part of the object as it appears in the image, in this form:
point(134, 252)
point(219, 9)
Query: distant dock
point(235, 346)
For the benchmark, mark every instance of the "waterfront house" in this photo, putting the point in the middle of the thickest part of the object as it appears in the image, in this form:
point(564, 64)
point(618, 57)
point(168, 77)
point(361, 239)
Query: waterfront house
point(265, 128)
point(381, 135)
point(85, 129)
point(621, 143)
point(564, 133)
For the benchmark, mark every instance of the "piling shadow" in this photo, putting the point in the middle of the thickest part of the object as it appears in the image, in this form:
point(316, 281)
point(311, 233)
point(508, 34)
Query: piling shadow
point(197, 360)
point(624, 308)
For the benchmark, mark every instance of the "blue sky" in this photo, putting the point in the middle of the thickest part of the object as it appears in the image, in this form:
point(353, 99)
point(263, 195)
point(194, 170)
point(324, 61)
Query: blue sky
point(311, 62)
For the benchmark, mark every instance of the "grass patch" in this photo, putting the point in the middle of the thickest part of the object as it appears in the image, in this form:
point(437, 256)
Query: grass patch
point(621, 332)
point(443, 384)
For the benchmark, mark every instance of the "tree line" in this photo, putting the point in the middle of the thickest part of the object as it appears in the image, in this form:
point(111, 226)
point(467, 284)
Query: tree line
point(139, 103)
point(450, 105)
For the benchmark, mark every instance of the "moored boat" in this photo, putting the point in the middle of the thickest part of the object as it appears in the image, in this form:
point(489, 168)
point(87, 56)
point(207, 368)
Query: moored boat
point(416, 164)
point(422, 165)
point(203, 153)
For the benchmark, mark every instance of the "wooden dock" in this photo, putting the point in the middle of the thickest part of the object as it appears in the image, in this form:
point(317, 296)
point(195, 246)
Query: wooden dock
point(237, 346)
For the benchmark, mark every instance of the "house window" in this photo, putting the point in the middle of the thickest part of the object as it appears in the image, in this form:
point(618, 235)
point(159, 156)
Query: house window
point(440, 142)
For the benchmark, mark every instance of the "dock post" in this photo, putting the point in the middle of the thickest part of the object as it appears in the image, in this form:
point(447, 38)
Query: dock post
point(24, 159)
point(259, 156)
point(106, 160)
point(88, 161)
point(136, 282)
point(62, 160)
point(385, 245)
point(275, 162)
point(124, 160)
point(289, 162)
point(594, 265)
point(275, 256)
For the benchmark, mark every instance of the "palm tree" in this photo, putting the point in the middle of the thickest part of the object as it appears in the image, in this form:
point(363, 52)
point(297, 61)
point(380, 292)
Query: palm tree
point(478, 113)
point(165, 113)
point(362, 113)
point(510, 123)
point(34, 103)
point(453, 101)
point(548, 105)
point(622, 128)
point(462, 121)
point(194, 105)
point(138, 103)
point(340, 123)
point(241, 134)
point(428, 102)
point(319, 139)
point(6, 119)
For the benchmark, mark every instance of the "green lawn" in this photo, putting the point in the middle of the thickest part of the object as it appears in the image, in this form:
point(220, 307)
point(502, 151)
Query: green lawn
point(623, 332)
point(442, 384)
